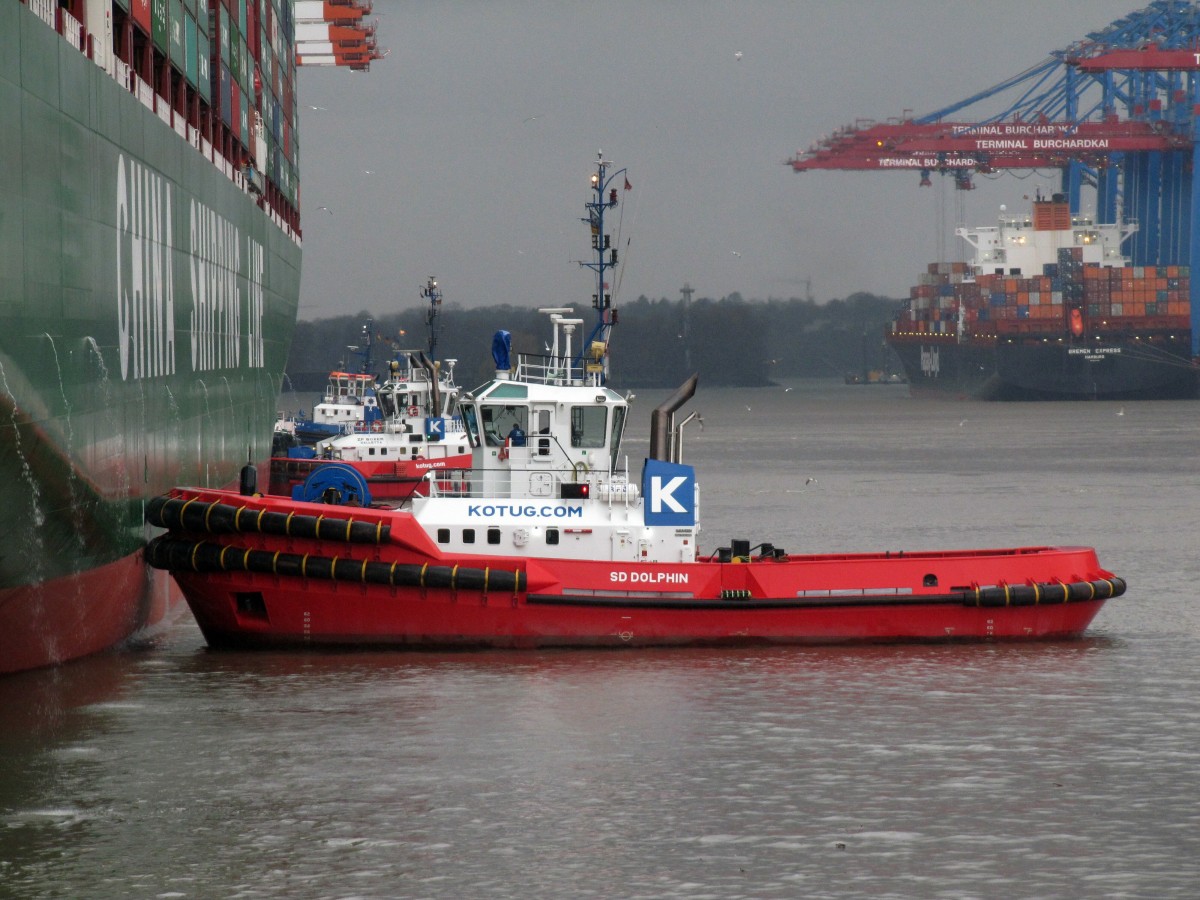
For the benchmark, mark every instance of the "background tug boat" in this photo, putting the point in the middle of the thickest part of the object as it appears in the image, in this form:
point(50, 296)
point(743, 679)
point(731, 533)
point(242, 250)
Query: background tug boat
point(415, 430)
point(553, 544)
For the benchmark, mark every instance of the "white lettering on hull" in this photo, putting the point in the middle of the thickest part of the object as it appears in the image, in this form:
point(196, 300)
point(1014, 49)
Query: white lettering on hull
point(216, 307)
point(648, 577)
point(225, 325)
point(931, 364)
point(145, 273)
point(255, 354)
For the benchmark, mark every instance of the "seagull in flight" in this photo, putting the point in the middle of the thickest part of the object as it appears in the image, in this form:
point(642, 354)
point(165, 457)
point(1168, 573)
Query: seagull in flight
point(736, 252)
point(327, 209)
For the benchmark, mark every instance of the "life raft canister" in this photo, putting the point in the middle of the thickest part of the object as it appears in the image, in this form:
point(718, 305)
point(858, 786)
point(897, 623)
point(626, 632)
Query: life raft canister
point(1076, 323)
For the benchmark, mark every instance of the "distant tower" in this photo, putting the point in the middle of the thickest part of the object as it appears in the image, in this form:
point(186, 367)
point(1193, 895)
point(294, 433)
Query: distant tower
point(687, 290)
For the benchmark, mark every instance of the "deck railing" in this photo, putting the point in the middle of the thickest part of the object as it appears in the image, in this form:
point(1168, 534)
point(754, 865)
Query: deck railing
point(72, 30)
point(470, 484)
point(559, 370)
point(45, 10)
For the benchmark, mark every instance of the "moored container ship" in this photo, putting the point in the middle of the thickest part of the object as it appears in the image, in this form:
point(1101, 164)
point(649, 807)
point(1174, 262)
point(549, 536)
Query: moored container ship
point(1048, 308)
point(149, 277)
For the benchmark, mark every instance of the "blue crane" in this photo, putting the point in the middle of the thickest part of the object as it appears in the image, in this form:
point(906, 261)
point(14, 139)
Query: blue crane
point(1114, 112)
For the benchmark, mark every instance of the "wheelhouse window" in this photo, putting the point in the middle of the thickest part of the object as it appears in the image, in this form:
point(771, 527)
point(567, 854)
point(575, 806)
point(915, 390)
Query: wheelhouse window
point(499, 422)
point(389, 402)
point(618, 429)
point(470, 425)
point(588, 426)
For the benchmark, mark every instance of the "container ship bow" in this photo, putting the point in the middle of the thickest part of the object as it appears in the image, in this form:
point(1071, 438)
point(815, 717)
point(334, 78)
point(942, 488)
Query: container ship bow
point(1048, 309)
point(149, 277)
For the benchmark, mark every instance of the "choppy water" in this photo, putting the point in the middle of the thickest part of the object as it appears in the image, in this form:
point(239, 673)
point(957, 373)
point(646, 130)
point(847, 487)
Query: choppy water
point(1054, 770)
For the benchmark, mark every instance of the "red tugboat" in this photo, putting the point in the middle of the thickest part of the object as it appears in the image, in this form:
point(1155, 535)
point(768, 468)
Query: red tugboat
point(548, 542)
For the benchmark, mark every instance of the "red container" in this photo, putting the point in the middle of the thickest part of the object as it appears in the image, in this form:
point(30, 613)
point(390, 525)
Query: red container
point(140, 10)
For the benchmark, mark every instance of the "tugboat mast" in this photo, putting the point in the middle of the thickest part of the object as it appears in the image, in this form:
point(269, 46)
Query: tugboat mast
point(433, 294)
point(604, 198)
point(363, 350)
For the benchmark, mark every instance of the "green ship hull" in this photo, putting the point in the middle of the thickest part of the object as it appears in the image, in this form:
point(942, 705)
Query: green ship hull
point(147, 304)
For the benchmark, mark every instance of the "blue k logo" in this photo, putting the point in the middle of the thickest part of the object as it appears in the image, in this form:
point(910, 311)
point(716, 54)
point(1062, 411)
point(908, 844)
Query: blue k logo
point(670, 492)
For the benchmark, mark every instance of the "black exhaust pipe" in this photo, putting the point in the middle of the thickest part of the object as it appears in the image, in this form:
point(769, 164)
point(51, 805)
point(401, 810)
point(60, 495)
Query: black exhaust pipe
point(660, 419)
point(433, 380)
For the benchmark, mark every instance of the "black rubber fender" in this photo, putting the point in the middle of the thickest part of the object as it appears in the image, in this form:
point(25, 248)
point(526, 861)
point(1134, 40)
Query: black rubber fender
point(1042, 594)
point(180, 555)
point(176, 514)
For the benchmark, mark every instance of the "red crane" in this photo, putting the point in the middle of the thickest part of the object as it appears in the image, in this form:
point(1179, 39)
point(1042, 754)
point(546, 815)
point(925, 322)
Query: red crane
point(984, 147)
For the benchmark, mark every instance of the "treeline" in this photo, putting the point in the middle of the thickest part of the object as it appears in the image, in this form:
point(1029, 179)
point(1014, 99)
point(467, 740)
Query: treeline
point(656, 343)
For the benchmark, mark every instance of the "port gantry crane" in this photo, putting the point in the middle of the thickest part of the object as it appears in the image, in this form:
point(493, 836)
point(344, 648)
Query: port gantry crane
point(1118, 112)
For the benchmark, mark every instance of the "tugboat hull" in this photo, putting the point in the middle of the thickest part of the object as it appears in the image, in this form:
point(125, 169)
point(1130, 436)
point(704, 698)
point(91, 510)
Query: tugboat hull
point(261, 572)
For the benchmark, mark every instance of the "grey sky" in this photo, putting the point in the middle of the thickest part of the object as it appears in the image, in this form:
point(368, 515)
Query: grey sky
point(466, 152)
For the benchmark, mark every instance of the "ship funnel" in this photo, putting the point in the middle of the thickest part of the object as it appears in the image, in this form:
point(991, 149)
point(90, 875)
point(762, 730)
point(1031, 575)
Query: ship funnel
point(662, 419)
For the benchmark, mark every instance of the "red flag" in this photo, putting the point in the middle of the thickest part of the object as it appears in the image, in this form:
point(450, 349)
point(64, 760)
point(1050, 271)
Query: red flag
point(628, 186)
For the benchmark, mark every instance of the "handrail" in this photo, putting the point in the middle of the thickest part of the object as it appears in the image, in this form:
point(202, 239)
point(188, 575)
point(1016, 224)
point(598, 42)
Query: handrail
point(468, 484)
point(553, 370)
